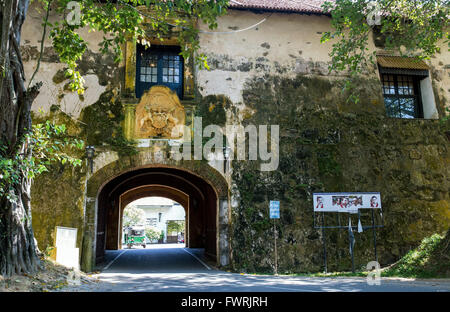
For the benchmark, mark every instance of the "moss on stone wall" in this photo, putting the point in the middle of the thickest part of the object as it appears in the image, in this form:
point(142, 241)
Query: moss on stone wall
point(330, 145)
point(102, 125)
point(57, 200)
point(57, 195)
point(212, 109)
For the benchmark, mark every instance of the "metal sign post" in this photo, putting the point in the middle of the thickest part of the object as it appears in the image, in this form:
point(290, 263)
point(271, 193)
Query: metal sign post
point(274, 207)
point(324, 244)
point(352, 241)
point(374, 237)
point(275, 242)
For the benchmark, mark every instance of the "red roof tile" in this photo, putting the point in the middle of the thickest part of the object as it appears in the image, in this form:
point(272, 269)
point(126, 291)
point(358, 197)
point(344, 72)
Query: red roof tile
point(304, 6)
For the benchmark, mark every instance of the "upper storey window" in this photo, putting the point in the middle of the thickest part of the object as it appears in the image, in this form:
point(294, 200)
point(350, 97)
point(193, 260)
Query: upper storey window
point(402, 96)
point(407, 88)
point(159, 65)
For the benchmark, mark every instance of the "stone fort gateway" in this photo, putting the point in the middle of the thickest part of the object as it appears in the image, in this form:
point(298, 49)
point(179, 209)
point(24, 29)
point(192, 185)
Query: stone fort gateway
point(269, 76)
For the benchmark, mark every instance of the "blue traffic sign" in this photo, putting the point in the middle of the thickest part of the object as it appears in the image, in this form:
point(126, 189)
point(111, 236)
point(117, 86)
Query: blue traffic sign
point(274, 209)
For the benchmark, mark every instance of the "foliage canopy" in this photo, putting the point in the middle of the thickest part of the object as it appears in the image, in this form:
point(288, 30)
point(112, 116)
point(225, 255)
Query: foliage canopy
point(133, 216)
point(49, 143)
point(175, 226)
point(152, 233)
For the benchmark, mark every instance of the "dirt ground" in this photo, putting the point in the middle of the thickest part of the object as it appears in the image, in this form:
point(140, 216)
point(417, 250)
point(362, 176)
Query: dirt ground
point(50, 277)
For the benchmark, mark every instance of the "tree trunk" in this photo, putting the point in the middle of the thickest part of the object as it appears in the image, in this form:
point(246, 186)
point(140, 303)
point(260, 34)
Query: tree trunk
point(18, 251)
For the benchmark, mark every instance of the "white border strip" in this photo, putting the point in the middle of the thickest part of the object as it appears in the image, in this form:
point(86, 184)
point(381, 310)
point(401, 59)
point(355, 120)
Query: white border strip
point(204, 264)
point(109, 264)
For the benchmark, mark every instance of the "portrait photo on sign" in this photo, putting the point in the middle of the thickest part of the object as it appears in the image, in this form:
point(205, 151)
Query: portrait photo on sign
point(374, 202)
point(319, 202)
point(356, 201)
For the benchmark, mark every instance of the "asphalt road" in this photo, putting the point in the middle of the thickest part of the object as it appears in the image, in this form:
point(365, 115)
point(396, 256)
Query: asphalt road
point(169, 258)
point(174, 268)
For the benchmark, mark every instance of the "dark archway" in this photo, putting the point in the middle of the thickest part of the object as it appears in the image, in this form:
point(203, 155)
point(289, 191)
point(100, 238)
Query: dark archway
point(196, 195)
point(133, 177)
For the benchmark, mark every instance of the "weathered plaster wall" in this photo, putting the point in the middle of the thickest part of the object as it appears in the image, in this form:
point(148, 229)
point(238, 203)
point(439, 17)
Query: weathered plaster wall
point(53, 91)
point(284, 45)
point(58, 195)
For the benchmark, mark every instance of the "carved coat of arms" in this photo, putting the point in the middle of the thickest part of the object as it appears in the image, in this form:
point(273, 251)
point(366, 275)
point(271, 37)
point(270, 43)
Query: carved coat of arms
point(159, 114)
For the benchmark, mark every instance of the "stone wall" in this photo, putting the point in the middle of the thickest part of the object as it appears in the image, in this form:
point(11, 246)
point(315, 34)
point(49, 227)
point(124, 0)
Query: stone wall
point(327, 145)
point(58, 195)
point(275, 73)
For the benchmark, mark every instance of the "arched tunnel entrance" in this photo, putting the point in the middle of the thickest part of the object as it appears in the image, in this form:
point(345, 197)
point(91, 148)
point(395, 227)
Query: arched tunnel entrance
point(195, 194)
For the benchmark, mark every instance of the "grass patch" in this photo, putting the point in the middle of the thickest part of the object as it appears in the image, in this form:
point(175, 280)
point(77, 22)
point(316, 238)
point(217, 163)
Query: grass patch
point(339, 274)
point(431, 259)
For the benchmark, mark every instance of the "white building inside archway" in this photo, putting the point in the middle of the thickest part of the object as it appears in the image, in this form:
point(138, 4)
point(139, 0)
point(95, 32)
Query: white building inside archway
point(159, 211)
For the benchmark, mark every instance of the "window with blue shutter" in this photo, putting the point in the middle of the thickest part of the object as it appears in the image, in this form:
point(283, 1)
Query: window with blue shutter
point(159, 65)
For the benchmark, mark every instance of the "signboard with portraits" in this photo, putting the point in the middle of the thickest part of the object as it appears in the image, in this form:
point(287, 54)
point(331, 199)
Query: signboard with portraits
point(353, 204)
point(346, 202)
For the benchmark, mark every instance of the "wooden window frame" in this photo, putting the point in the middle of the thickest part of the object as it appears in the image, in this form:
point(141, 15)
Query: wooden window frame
point(418, 107)
point(159, 51)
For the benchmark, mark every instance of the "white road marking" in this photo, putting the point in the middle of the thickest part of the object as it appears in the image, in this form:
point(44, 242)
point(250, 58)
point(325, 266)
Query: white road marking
point(109, 264)
point(206, 266)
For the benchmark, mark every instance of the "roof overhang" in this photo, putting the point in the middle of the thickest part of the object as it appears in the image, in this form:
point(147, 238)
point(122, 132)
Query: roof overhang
point(401, 62)
point(281, 6)
point(402, 65)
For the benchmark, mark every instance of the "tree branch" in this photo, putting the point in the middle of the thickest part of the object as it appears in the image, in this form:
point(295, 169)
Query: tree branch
point(42, 44)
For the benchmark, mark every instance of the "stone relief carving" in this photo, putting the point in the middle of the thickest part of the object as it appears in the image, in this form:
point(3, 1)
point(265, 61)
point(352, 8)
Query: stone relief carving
point(159, 114)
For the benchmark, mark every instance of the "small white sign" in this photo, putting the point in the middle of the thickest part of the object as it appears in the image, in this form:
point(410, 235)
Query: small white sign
point(66, 237)
point(66, 252)
point(68, 257)
point(346, 202)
